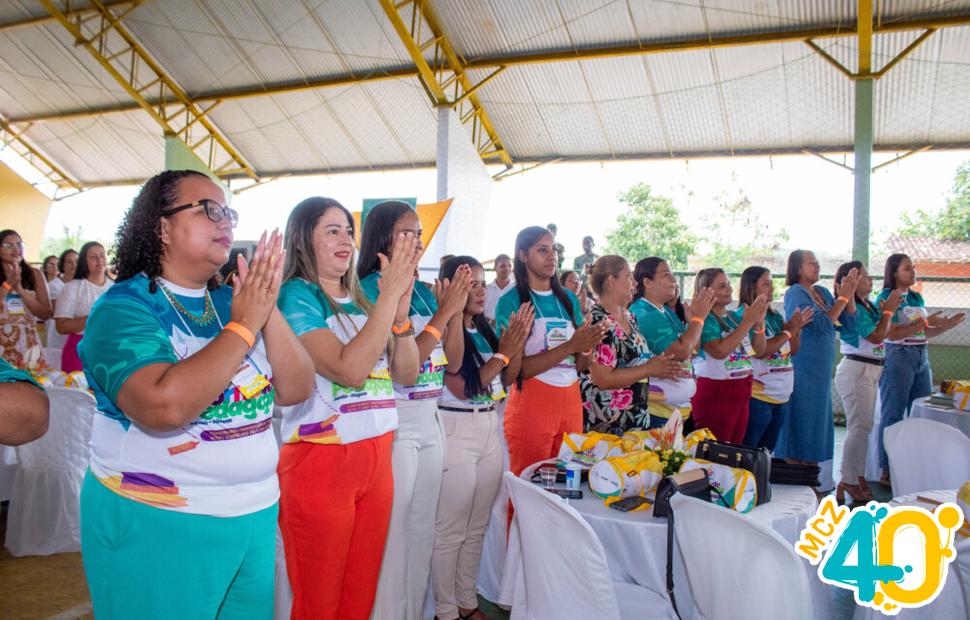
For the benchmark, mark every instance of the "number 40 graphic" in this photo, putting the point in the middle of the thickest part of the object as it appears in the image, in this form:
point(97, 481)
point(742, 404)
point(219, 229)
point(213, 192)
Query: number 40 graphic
point(891, 557)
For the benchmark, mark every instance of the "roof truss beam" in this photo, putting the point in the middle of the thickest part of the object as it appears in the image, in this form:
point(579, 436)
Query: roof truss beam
point(14, 140)
point(48, 19)
point(101, 33)
point(445, 77)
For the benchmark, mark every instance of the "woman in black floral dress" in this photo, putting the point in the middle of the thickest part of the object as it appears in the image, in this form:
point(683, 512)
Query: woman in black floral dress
point(615, 388)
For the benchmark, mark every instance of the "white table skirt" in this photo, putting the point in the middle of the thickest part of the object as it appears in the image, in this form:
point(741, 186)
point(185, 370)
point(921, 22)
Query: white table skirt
point(636, 545)
point(947, 415)
point(952, 603)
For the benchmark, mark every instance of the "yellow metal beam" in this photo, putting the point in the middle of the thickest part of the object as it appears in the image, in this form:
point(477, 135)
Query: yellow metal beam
point(117, 51)
point(54, 175)
point(445, 77)
point(49, 19)
point(864, 35)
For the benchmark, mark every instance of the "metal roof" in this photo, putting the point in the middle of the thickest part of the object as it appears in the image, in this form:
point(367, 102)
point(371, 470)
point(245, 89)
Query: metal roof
point(630, 93)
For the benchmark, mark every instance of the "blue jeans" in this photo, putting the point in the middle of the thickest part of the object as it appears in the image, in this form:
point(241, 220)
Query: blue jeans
point(905, 377)
point(764, 423)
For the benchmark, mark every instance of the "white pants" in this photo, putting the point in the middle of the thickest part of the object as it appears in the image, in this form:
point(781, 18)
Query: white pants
point(472, 474)
point(416, 459)
point(857, 383)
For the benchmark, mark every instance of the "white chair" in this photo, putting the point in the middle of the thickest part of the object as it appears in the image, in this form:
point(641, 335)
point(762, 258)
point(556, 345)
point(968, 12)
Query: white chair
point(736, 567)
point(564, 565)
point(926, 455)
point(44, 512)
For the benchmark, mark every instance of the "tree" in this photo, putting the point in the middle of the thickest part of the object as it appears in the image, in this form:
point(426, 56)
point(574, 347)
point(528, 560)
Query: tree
point(70, 240)
point(650, 226)
point(952, 222)
point(738, 238)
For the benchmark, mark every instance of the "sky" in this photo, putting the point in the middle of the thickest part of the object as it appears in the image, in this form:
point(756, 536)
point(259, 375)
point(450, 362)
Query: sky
point(810, 198)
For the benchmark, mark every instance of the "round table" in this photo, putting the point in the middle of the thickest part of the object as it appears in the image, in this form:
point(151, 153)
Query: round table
point(954, 600)
point(947, 415)
point(636, 542)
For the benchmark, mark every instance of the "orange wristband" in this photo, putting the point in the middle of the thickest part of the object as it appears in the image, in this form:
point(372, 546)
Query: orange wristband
point(843, 299)
point(787, 333)
point(433, 331)
point(242, 331)
point(401, 330)
point(505, 360)
point(698, 319)
point(760, 331)
point(7, 287)
point(887, 312)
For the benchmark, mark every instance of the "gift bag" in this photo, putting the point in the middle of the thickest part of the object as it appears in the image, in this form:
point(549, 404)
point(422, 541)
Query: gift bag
point(619, 477)
point(735, 488)
point(961, 396)
point(587, 448)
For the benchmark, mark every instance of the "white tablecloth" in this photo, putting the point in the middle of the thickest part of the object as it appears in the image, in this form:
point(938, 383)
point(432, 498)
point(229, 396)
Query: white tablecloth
point(952, 603)
point(636, 544)
point(947, 415)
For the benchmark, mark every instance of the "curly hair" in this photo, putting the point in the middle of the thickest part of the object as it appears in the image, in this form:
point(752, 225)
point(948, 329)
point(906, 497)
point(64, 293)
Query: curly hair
point(139, 240)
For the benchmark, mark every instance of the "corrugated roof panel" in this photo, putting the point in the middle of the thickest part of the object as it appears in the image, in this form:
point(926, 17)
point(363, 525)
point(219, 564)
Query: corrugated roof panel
point(515, 115)
point(362, 34)
point(752, 93)
point(666, 21)
point(603, 22)
point(367, 128)
point(472, 27)
point(820, 99)
point(529, 26)
point(406, 109)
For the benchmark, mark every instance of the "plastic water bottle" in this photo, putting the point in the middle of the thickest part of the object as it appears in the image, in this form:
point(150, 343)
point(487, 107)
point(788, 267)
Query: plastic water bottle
point(573, 476)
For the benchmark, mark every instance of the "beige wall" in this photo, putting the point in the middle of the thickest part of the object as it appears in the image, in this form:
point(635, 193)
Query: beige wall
point(23, 209)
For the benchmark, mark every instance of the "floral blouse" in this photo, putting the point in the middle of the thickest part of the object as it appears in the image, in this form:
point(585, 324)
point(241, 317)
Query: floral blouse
point(620, 410)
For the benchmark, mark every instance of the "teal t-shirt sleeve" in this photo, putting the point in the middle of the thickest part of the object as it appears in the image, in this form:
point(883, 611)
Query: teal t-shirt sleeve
point(9, 374)
point(507, 304)
point(577, 309)
point(655, 328)
point(370, 287)
point(423, 302)
point(711, 331)
point(303, 307)
point(121, 337)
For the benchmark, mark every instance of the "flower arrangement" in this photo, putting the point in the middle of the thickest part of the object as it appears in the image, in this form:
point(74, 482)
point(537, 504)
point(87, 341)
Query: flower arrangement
point(671, 459)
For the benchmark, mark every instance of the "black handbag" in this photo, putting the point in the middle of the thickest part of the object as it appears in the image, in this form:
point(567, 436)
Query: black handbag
point(694, 483)
point(755, 460)
point(799, 474)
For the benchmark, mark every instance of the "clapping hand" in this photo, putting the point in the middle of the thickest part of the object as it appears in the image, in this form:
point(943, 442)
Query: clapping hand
point(798, 320)
point(944, 322)
point(700, 306)
point(664, 366)
point(849, 284)
point(891, 303)
point(588, 336)
point(397, 273)
point(755, 313)
point(514, 336)
point(258, 283)
point(452, 295)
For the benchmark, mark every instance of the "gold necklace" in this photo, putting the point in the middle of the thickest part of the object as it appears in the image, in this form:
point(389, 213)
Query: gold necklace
point(208, 315)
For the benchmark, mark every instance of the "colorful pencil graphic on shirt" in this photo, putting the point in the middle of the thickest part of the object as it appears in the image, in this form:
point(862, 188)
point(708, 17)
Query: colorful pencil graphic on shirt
point(146, 488)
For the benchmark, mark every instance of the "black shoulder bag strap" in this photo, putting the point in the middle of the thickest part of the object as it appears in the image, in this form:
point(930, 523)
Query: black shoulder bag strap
point(670, 561)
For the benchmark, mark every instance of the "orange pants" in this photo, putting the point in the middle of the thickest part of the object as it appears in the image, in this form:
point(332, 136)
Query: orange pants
point(335, 507)
point(535, 419)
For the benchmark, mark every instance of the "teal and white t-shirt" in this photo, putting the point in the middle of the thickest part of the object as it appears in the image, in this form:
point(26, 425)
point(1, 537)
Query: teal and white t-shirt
point(912, 310)
point(9, 374)
point(223, 463)
point(553, 326)
point(430, 380)
point(737, 365)
point(661, 327)
point(774, 375)
point(449, 399)
point(853, 334)
point(335, 413)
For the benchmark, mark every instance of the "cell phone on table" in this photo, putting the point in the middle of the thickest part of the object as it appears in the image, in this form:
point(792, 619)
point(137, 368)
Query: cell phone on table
point(630, 503)
point(567, 493)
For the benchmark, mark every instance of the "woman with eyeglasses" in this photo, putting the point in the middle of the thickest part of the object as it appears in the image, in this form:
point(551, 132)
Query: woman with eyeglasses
point(906, 374)
point(475, 383)
point(78, 297)
point(335, 466)
point(179, 506)
point(545, 401)
point(418, 446)
point(23, 301)
point(808, 433)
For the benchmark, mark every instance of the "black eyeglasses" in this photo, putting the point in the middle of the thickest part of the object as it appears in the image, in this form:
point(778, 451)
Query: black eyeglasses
point(213, 210)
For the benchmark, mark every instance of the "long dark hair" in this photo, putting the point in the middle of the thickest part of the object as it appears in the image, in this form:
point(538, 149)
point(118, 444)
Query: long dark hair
point(748, 289)
point(889, 275)
point(26, 271)
point(645, 268)
point(376, 235)
point(60, 260)
point(472, 360)
point(843, 271)
point(794, 266)
point(139, 237)
point(82, 260)
point(527, 238)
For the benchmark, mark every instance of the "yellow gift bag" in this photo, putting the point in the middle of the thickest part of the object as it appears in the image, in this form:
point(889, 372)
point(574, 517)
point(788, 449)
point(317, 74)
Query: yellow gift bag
point(736, 488)
point(587, 448)
point(618, 477)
